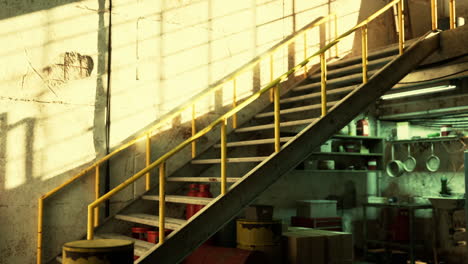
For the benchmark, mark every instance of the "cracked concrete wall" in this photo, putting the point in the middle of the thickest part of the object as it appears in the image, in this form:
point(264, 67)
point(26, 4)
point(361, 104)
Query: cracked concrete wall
point(52, 82)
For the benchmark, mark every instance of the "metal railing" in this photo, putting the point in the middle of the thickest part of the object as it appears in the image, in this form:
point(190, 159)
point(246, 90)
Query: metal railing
point(272, 87)
point(175, 112)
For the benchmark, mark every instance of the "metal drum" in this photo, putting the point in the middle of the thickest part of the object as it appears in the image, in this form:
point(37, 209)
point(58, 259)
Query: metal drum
point(264, 236)
point(98, 251)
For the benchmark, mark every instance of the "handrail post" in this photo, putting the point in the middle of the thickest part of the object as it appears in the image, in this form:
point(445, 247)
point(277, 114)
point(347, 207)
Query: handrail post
point(336, 35)
point(194, 131)
point(148, 161)
point(223, 157)
point(305, 45)
point(452, 14)
point(323, 74)
point(401, 26)
point(90, 232)
point(277, 118)
point(434, 14)
point(162, 201)
point(234, 102)
point(96, 196)
point(272, 70)
point(40, 217)
point(305, 54)
point(364, 53)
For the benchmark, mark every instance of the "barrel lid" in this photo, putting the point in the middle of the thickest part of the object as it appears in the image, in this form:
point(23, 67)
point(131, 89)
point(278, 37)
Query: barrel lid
point(245, 221)
point(99, 244)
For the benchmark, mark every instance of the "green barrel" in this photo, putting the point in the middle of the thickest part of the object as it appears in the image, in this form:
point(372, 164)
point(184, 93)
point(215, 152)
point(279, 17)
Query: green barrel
point(98, 251)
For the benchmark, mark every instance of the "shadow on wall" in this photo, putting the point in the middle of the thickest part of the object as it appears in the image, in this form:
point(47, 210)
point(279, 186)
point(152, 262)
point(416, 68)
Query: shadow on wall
point(381, 31)
point(19, 193)
point(16, 8)
point(217, 43)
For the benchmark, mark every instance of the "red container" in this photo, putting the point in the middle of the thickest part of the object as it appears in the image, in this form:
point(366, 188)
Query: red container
point(190, 208)
point(372, 164)
point(139, 233)
point(362, 127)
point(445, 130)
point(204, 192)
point(220, 255)
point(400, 227)
point(153, 236)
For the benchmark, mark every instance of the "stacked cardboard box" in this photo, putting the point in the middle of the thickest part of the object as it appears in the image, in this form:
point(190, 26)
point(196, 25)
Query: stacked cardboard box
point(306, 245)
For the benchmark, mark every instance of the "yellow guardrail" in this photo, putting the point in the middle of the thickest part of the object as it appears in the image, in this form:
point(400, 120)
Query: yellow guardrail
point(92, 221)
point(175, 112)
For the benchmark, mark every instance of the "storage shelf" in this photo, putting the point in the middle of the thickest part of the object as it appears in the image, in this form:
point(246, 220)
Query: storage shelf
point(337, 136)
point(347, 154)
point(396, 244)
point(422, 140)
point(342, 171)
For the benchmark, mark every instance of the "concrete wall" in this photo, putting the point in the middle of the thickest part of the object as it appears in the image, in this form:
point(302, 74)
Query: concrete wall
point(52, 84)
point(54, 72)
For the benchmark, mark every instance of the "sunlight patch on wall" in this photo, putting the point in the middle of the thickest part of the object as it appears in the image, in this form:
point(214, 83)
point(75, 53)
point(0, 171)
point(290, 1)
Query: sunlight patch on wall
point(16, 156)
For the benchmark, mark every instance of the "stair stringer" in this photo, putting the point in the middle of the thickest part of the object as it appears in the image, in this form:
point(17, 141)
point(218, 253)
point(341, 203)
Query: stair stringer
point(224, 208)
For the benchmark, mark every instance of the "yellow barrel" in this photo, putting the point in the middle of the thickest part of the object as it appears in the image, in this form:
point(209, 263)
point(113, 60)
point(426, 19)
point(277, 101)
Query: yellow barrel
point(264, 236)
point(258, 233)
point(98, 251)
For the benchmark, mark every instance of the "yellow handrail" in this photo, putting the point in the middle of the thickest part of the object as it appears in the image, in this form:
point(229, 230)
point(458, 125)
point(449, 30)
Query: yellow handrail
point(175, 112)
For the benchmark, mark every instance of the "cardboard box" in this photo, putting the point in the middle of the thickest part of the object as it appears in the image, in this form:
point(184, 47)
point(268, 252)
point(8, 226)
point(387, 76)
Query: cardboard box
point(303, 247)
point(316, 208)
point(339, 246)
point(322, 223)
point(258, 212)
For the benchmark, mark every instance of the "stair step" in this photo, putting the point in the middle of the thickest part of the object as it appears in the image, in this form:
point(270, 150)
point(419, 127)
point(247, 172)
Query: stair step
point(282, 124)
point(138, 242)
point(336, 82)
point(296, 109)
point(200, 179)
point(318, 94)
point(376, 54)
point(180, 199)
point(140, 248)
point(151, 220)
point(254, 142)
point(354, 68)
point(229, 160)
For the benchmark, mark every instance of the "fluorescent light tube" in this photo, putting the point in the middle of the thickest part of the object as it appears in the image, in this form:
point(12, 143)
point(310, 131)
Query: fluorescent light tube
point(418, 92)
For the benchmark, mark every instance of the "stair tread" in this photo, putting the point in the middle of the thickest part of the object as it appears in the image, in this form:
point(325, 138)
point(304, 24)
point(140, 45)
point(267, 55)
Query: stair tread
point(201, 179)
point(229, 160)
point(254, 142)
point(151, 220)
point(138, 242)
point(342, 79)
point(282, 124)
point(346, 70)
point(379, 53)
point(318, 94)
point(296, 109)
point(140, 248)
point(180, 199)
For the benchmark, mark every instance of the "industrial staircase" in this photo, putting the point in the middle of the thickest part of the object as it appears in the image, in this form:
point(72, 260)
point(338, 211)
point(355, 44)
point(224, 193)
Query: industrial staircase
point(294, 124)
